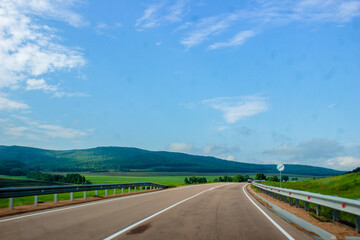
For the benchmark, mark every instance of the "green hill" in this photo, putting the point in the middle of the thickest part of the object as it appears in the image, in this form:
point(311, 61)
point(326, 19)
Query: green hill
point(134, 159)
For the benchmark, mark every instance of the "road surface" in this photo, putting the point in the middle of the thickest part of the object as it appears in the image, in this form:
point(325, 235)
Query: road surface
point(207, 211)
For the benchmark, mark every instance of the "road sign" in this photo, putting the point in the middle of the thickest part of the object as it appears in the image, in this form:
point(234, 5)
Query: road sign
point(280, 167)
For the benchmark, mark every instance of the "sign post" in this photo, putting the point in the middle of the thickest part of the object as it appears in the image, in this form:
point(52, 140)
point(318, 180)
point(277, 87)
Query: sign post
point(281, 168)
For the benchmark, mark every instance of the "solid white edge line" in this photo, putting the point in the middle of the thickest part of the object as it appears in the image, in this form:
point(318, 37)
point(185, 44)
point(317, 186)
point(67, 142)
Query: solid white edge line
point(267, 216)
point(92, 203)
point(145, 219)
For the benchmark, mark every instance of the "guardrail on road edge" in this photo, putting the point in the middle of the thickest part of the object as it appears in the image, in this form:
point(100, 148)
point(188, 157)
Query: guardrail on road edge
point(350, 206)
point(36, 191)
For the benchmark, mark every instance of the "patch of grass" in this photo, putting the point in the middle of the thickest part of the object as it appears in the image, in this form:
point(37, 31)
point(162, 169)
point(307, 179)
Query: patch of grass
point(320, 218)
point(347, 185)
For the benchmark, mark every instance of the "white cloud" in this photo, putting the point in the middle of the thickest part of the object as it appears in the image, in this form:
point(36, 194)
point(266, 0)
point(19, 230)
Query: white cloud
point(21, 127)
point(161, 13)
point(221, 128)
point(219, 149)
point(308, 150)
point(180, 147)
point(53, 9)
point(7, 104)
point(29, 49)
point(222, 151)
point(237, 108)
point(345, 163)
point(102, 27)
point(238, 39)
point(230, 158)
point(319, 152)
point(265, 14)
point(208, 27)
point(39, 84)
point(331, 106)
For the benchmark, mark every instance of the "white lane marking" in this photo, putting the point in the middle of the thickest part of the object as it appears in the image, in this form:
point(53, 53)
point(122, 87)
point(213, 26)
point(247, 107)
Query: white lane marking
point(267, 216)
point(93, 203)
point(145, 219)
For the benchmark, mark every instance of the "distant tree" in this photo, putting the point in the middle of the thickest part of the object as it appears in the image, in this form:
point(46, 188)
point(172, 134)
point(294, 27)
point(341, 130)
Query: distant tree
point(273, 178)
point(216, 180)
point(285, 178)
point(260, 176)
point(228, 179)
point(221, 179)
point(355, 170)
point(239, 178)
point(186, 181)
point(246, 177)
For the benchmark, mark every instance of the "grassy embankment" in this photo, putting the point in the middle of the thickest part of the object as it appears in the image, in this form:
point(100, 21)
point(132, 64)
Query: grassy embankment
point(346, 186)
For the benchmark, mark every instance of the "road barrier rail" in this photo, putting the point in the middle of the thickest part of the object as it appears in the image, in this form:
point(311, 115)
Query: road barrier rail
point(335, 203)
point(11, 193)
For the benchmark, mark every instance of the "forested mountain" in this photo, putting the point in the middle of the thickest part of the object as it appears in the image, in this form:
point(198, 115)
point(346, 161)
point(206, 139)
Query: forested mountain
point(134, 159)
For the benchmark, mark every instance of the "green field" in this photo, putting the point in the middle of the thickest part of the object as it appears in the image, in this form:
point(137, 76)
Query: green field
point(347, 185)
point(166, 180)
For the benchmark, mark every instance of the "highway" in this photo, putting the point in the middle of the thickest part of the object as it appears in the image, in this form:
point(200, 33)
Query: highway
point(207, 211)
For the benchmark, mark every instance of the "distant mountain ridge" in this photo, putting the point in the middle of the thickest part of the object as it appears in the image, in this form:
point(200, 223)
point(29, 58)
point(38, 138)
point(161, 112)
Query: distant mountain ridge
point(135, 159)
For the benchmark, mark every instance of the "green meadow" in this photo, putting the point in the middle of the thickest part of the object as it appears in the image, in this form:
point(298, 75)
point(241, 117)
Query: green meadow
point(98, 179)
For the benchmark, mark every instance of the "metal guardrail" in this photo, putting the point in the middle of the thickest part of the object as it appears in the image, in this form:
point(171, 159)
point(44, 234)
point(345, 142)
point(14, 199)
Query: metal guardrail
point(336, 203)
point(36, 191)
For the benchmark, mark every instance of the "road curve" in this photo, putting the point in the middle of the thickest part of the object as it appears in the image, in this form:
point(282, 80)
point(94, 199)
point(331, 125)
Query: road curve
point(208, 211)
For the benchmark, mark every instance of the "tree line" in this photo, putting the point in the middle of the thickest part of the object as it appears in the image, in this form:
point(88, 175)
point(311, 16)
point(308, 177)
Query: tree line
point(274, 178)
point(73, 178)
point(195, 180)
point(237, 178)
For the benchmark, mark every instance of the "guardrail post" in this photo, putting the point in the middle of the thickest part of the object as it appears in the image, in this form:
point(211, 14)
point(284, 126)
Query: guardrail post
point(11, 203)
point(145, 188)
point(141, 188)
point(114, 191)
point(55, 198)
point(106, 192)
point(150, 187)
point(306, 206)
point(129, 189)
point(357, 224)
point(36, 200)
point(335, 215)
point(96, 192)
point(290, 201)
point(85, 194)
point(134, 188)
point(297, 202)
point(317, 210)
point(71, 196)
point(122, 190)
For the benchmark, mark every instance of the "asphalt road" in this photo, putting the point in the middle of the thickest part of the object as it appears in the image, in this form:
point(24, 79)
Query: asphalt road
point(208, 211)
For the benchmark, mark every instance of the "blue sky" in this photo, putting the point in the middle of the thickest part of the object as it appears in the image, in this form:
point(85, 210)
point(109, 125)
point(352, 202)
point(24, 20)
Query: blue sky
point(250, 81)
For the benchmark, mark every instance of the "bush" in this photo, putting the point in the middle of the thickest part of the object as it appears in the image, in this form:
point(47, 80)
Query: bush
point(195, 180)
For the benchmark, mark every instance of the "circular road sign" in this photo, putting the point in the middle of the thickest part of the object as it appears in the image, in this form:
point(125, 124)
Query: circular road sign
point(280, 167)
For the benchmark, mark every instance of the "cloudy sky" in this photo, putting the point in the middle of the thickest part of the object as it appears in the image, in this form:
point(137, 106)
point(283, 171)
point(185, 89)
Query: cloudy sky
point(251, 81)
